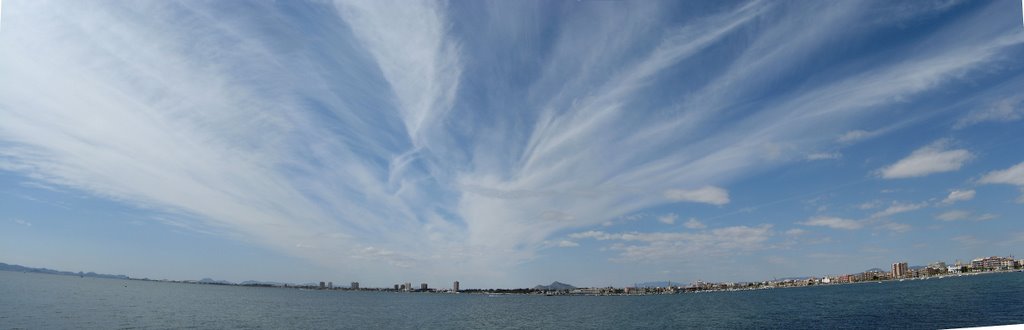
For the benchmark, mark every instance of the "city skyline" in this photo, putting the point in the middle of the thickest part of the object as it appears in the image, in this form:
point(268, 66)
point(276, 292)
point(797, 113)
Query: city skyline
point(508, 144)
point(899, 270)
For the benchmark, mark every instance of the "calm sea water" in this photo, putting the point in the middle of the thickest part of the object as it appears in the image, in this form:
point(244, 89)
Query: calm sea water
point(39, 301)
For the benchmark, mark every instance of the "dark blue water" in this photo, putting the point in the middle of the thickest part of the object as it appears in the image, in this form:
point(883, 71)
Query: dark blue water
point(49, 301)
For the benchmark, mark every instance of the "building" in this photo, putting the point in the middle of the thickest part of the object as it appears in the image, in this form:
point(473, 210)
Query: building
point(323, 285)
point(991, 263)
point(423, 286)
point(354, 286)
point(455, 286)
point(330, 285)
point(900, 270)
point(396, 287)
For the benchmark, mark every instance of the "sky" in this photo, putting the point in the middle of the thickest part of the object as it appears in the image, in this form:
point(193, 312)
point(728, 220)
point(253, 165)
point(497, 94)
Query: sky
point(508, 143)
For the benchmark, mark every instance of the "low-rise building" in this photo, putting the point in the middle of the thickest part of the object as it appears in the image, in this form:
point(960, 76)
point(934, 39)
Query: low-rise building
point(991, 263)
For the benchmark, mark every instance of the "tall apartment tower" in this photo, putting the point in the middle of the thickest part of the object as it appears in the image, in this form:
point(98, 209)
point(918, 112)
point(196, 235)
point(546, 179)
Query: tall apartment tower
point(355, 285)
point(900, 270)
point(455, 286)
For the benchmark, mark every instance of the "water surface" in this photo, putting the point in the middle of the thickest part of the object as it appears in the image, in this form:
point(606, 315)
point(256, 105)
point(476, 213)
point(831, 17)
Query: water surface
point(51, 301)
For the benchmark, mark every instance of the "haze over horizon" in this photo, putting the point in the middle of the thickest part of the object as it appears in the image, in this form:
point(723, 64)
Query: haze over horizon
point(508, 144)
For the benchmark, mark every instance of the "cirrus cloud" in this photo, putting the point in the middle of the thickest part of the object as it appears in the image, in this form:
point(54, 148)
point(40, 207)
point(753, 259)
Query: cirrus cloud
point(959, 196)
point(1012, 176)
point(707, 194)
point(931, 159)
point(833, 222)
point(958, 215)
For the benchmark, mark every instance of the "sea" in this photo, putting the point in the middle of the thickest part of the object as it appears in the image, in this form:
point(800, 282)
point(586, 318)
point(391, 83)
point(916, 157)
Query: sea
point(40, 301)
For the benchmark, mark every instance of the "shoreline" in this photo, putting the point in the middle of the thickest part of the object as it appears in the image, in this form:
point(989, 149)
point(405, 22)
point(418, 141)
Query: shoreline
point(561, 293)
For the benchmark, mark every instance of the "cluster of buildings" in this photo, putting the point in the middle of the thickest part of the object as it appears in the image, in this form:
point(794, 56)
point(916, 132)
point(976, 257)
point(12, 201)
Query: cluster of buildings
point(404, 287)
point(898, 271)
point(987, 264)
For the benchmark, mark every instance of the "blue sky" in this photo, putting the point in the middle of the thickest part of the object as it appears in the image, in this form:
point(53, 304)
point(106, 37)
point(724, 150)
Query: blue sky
point(508, 143)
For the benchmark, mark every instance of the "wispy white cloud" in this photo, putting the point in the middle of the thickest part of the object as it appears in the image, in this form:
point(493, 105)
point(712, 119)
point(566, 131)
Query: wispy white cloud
point(410, 45)
point(897, 208)
point(833, 222)
point(931, 159)
point(668, 219)
point(959, 196)
point(870, 205)
point(795, 232)
point(681, 245)
point(856, 135)
point(224, 141)
point(23, 222)
point(693, 223)
point(707, 194)
point(953, 215)
point(1006, 110)
point(825, 156)
point(1012, 176)
point(957, 215)
point(567, 243)
point(968, 240)
point(895, 227)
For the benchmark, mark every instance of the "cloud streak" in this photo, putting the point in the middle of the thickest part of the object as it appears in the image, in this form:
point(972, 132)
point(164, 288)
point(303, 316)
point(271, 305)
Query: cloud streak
point(1012, 176)
point(834, 223)
point(674, 246)
point(959, 196)
point(931, 159)
point(707, 194)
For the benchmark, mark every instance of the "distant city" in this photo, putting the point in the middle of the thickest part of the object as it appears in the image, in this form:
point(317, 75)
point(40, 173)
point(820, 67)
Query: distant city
point(898, 271)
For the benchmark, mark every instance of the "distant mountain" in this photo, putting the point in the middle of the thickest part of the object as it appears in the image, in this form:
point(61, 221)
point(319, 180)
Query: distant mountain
point(876, 269)
point(213, 281)
point(555, 286)
point(262, 283)
point(23, 269)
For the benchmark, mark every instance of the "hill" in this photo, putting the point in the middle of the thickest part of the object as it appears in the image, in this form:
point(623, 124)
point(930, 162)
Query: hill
point(555, 286)
point(23, 269)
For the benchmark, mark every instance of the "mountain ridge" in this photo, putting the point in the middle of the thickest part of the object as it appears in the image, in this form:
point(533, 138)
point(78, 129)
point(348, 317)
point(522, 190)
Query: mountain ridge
point(554, 286)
